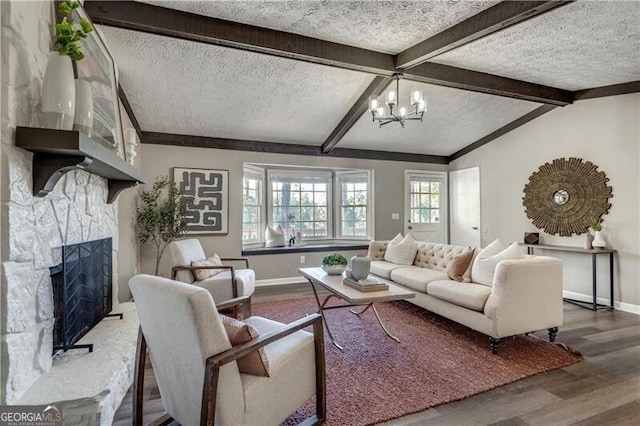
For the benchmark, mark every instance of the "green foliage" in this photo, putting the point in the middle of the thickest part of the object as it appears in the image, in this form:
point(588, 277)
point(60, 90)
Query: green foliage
point(68, 36)
point(334, 259)
point(161, 218)
point(596, 224)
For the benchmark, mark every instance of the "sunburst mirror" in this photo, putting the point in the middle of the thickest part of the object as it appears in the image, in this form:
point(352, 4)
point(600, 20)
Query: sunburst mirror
point(564, 196)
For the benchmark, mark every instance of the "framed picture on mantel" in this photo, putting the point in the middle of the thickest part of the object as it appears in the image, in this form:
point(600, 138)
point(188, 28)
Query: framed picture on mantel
point(206, 197)
point(98, 69)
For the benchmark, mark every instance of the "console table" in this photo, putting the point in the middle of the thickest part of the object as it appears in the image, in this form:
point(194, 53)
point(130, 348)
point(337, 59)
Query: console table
point(594, 252)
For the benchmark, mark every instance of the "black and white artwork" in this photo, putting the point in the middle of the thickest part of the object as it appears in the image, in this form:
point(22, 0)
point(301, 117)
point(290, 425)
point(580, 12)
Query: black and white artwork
point(206, 196)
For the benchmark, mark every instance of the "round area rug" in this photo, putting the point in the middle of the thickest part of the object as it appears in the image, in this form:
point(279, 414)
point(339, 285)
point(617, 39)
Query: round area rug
point(376, 379)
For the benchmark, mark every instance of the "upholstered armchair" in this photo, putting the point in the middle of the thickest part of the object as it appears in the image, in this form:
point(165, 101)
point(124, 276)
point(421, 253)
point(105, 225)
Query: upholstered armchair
point(232, 282)
point(196, 366)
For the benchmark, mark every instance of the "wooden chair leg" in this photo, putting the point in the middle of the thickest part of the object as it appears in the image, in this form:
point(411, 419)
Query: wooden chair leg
point(138, 384)
point(321, 377)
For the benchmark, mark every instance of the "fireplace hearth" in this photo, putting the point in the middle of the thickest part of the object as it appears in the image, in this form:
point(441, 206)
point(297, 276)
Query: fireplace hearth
point(82, 292)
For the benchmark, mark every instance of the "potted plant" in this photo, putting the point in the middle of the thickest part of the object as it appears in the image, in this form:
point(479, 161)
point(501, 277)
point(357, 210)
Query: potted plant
point(58, 87)
point(161, 218)
point(596, 226)
point(334, 264)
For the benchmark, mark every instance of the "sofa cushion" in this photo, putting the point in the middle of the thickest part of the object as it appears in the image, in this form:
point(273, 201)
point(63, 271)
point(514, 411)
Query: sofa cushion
point(468, 295)
point(437, 256)
point(484, 267)
point(377, 250)
point(416, 278)
point(402, 253)
point(479, 274)
point(383, 269)
point(459, 265)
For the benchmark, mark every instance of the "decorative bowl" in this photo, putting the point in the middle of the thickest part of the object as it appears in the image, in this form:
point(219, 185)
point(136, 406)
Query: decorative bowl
point(334, 269)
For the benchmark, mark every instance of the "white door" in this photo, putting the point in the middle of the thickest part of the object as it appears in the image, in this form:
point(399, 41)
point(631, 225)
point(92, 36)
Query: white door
point(465, 207)
point(426, 206)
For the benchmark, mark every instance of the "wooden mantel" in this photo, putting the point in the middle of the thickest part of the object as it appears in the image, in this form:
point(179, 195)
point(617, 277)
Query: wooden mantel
point(57, 152)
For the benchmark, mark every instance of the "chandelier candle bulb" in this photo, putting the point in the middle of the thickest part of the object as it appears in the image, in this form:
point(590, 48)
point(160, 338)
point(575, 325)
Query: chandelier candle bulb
point(373, 104)
point(391, 97)
point(416, 96)
point(403, 112)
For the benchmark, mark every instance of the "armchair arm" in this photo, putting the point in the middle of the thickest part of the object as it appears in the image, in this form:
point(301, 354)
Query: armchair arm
point(526, 295)
point(234, 285)
point(213, 364)
point(237, 259)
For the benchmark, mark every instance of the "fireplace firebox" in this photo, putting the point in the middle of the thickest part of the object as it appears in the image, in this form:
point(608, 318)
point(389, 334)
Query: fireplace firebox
point(82, 291)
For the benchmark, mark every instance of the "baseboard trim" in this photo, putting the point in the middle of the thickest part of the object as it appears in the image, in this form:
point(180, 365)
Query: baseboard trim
point(280, 281)
point(620, 306)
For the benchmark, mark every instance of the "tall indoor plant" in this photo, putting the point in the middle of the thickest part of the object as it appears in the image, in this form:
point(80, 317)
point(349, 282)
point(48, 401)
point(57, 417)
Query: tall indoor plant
point(161, 218)
point(59, 87)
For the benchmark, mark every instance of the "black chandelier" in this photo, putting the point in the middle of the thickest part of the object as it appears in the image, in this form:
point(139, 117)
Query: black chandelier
point(397, 113)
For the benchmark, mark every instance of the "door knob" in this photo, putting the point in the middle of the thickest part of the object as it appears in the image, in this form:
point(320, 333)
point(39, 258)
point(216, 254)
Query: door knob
point(410, 227)
point(475, 228)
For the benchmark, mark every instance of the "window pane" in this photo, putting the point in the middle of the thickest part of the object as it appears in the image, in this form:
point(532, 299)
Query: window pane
point(435, 187)
point(415, 215)
point(425, 216)
point(435, 216)
point(307, 199)
point(320, 213)
point(415, 201)
point(435, 200)
point(424, 200)
point(424, 186)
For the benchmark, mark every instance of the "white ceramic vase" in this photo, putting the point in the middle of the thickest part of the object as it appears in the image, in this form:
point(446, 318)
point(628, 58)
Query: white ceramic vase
point(130, 142)
point(588, 241)
point(598, 241)
point(83, 118)
point(360, 266)
point(58, 93)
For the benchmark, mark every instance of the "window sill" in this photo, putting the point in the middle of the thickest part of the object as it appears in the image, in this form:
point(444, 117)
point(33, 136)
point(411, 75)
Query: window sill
point(307, 248)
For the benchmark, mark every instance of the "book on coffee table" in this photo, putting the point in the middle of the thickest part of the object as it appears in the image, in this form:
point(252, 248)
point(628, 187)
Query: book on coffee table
point(368, 284)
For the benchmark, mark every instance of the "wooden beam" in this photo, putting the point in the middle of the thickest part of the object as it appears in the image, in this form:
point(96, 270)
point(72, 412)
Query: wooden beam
point(188, 26)
point(284, 148)
point(376, 88)
point(502, 131)
point(489, 21)
point(444, 75)
point(613, 90)
point(127, 107)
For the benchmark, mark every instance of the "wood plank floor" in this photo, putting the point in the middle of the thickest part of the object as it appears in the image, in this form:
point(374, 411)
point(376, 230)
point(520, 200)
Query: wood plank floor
point(604, 389)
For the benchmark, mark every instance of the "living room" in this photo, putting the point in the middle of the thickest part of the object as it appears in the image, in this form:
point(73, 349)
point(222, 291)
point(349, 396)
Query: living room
point(192, 97)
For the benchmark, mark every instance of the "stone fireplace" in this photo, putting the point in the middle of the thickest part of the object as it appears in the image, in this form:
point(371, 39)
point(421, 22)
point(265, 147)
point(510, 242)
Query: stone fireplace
point(33, 230)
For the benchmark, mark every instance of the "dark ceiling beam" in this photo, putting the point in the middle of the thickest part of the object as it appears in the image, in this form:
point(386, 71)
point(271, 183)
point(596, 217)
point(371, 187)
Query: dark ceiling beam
point(376, 88)
point(444, 75)
point(127, 107)
point(489, 21)
point(503, 131)
point(284, 148)
point(188, 26)
point(613, 90)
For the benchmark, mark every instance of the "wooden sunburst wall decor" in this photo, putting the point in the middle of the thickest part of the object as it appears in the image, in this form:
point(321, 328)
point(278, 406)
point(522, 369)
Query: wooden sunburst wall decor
point(564, 196)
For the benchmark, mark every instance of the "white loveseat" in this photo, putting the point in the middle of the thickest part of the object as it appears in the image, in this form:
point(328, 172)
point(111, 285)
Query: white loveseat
point(525, 296)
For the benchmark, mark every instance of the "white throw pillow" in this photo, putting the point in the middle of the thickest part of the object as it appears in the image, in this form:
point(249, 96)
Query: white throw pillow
point(274, 237)
point(396, 239)
point(485, 264)
point(403, 252)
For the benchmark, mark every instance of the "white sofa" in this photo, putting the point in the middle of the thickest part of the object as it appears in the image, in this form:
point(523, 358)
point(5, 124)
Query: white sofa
point(526, 294)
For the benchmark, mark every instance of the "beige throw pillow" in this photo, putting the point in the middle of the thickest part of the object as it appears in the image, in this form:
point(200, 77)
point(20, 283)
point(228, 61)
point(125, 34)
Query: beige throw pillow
point(484, 267)
point(274, 237)
point(459, 266)
point(403, 252)
point(256, 362)
point(203, 274)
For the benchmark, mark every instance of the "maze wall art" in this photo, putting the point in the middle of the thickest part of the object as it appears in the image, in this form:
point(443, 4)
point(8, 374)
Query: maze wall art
point(206, 196)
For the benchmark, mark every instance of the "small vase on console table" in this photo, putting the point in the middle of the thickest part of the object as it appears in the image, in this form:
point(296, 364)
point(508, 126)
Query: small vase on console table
point(598, 241)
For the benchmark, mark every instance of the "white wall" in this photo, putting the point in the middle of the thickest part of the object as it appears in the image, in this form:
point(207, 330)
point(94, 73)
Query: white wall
point(605, 131)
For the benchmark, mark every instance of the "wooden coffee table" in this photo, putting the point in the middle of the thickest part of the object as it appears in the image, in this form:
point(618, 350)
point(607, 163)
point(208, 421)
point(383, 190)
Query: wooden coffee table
point(353, 297)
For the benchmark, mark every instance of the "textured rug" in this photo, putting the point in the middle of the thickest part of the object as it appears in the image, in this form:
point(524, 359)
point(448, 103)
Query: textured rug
point(437, 360)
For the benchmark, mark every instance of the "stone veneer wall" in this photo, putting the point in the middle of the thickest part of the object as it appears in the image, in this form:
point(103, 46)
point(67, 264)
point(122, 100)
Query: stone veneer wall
point(32, 229)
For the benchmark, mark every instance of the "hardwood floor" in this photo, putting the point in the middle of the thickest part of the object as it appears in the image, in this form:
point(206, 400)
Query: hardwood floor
point(604, 389)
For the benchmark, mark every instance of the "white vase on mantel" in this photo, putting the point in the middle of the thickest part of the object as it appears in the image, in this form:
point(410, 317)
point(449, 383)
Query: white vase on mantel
point(598, 241)
point(58, 93)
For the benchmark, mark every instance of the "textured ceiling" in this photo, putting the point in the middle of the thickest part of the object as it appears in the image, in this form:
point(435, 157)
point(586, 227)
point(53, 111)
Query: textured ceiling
point(454, 119)
point(184, 87)
point(583, 45)
point(385, 26)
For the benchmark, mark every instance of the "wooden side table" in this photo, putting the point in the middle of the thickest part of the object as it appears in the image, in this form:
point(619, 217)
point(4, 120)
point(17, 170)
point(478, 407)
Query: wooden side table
point(594, 252)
